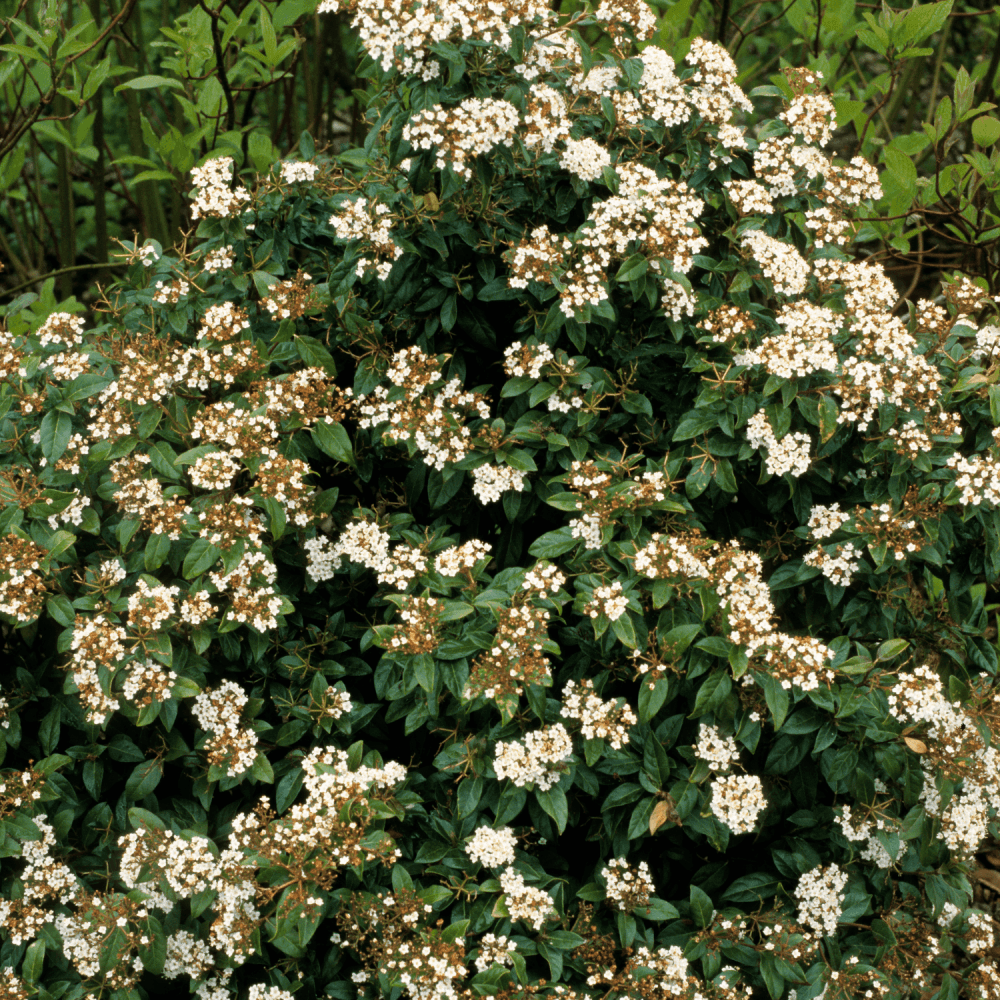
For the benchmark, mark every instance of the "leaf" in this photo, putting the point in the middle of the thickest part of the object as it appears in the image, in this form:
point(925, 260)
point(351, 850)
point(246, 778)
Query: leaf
point(985, 130)
point(269, 37)
point(61, 610)
point(651, 701)
point(148, 82)
point(828, 411)
point(314, 354)
point(262, 769)
point(758, 886)
point(660, 813)
point(553, 543)
point(143, 817)
point(553, 801)
point(34, 960)
point(777, 698)
point(701, 906)
point(695, 423)
point(917, 746)
point(635, 267)
point(199, 558)
point(923, 21)
point(892, 648)
point(712, 693)
point(658, 909)
point(143, 779)
point(56, 429)
point(332, 440)
point(625, 630)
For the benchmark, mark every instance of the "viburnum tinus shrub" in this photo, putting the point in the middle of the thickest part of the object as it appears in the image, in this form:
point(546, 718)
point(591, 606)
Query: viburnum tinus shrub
point(530, 555)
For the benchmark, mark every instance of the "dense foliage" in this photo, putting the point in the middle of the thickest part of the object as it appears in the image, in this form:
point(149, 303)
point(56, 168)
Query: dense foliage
point(529, 554)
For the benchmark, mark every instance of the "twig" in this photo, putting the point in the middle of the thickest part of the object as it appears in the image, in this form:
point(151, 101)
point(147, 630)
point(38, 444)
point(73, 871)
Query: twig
point(54, 274)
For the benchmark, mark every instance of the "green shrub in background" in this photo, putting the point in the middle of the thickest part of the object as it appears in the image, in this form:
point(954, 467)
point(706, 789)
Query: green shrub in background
point(106, 106)
point(526, 555)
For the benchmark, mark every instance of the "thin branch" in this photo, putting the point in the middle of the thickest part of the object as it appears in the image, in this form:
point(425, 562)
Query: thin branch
point(220, 61)
point(54, 274)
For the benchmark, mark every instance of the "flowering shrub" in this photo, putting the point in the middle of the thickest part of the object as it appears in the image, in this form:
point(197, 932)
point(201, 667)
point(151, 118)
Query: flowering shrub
point(321, 628)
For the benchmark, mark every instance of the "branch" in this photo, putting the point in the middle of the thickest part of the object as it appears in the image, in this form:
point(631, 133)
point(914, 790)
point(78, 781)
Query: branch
point(11, 138)
point(55, 274)
point(220, 62)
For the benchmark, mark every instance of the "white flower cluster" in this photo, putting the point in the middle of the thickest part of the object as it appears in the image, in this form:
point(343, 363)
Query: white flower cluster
point(670, 963)
point(220, 259)
point(911, 438)
point(217, 711)
point(824, 521)
point(545, 121)
point(95, 641)
point(803, 349)
point(214, 471)
point(494, 949)
point(492, 848)
point(72, 513)
point(919, 697)
point(978, 479)
point(661, 96)
point(779, 261)
point(790, 454)
point(608, 601)
point(637, 14)
point(610, 720)
point(543, 578)
point(587, 527)
point(737, 801)
point(148, 682)
point(720, 751)
point(840, 566)
point(213, 196)
point(455, 559)
point(965, 821)
point(525, 902)
point(529, 762)
point(83, 932)
point(586, 158)
point(750, 197)
point(435, 424)
point(469, 128)
point(627, 887)
point(861, 829)
point(364, 542)
point(383, 30)
point(820, 895)
point(359, 220)
point(148, 255)
point(981, 939)
point(811, 116)
point(61, 328)
point(664, 556)
point(170, 292)
point(491, 481)
point(167, 868)
point(526, 359)
point(224, 322)
point(987, 344)
point(259, 992)
point(293, 171)
point(677, 301)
